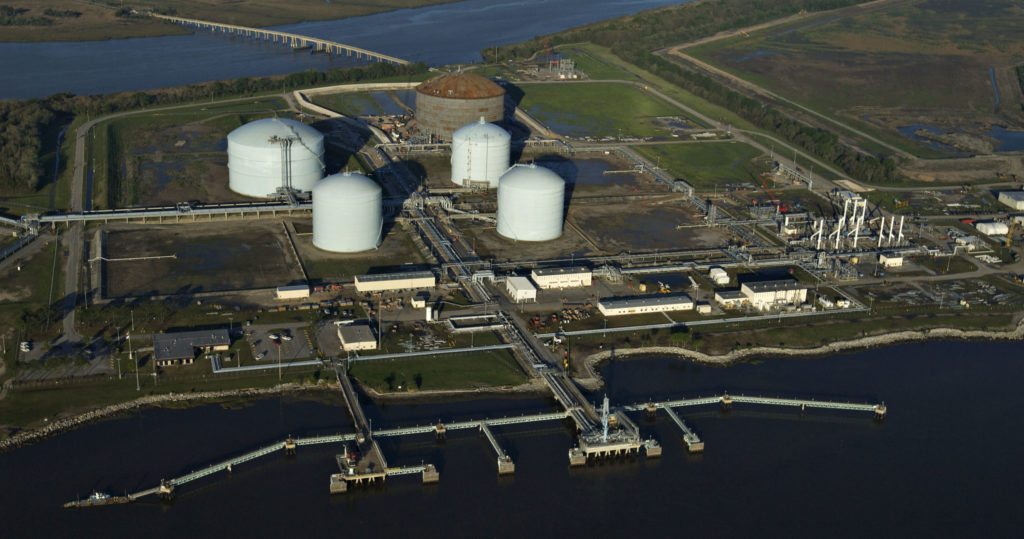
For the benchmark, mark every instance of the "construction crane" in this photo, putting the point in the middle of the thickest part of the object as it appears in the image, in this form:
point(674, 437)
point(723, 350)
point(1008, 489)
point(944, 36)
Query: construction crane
point(1009, 232)
point(551, 55)
point(782, 207)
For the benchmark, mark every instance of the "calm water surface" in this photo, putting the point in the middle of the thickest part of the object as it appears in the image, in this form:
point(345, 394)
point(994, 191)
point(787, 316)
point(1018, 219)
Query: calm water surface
point(945, 462)
point(436, 35)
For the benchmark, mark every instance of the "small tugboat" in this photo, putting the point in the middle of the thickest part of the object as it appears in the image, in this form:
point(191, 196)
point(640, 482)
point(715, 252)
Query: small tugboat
point(98, 498)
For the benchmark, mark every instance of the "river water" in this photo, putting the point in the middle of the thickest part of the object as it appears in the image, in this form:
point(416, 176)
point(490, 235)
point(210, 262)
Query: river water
point(945, 462)
point(437, 35)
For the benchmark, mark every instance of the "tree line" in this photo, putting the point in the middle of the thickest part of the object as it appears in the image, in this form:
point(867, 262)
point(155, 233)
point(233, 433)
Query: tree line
point(634, 37)
point(24, 124)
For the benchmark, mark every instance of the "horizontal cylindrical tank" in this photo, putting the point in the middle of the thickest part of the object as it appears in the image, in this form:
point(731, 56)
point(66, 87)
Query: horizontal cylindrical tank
point(480, 154)
point(274, 152)
point(530, 204)
point(348, 214)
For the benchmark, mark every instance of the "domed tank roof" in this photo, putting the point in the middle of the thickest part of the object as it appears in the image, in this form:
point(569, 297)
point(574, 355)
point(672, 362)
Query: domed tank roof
point(480, 130)
point(532, 178)
point(259, 133)
point(346, 185)
point(461, 85)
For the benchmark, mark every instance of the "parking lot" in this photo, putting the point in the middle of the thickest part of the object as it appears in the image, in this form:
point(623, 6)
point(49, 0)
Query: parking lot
point(291, 339)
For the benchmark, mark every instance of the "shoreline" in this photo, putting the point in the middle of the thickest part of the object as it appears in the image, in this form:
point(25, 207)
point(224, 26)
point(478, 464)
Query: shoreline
point(848, 345)
point(593, 381)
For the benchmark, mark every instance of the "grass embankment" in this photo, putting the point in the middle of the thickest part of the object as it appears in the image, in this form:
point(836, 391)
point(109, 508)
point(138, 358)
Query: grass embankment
point(494, 368)
point(596, 110)
point(706, 164)
point(96, 22)
point(29, 406)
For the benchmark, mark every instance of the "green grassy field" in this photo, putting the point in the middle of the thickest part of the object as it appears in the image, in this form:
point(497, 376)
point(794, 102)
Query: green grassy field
point(901, 64)
point(454, 371)
point(706, 164)
point(596, 110)
point(30, 288)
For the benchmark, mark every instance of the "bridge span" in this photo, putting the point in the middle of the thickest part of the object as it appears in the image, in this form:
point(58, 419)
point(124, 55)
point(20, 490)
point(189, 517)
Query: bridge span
point(295, 41)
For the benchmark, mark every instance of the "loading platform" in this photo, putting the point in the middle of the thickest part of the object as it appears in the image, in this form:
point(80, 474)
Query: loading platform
point(505, 464)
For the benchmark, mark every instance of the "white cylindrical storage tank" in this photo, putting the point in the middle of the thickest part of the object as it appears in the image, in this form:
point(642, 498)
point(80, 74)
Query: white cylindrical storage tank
point(480, 154)
point(530, 204)
point(274, 152)
point(348, 214)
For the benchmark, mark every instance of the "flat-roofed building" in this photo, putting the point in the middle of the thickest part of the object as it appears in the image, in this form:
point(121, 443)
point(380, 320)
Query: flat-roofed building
point(767, 294)
point(1013, 199)
point(730, 299)
point(719, 276)
point(356, 336)
point(520, 289)
point(420, 300)
point(181, 347)
point(645, 304)
point(407, 280)
point(567, 277)
point(890, 260)
point(296, 291)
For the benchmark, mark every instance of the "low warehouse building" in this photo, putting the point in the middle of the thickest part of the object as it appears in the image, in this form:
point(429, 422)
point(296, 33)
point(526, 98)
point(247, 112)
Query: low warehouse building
point(356, 336)
point(645, 304)
point(1013, 199)
point(395, 281)
point(765, 294)
point(520, 289)
point(719, 276)
point(890, 260)
point(992, 228)
point(297, 291)
point(180, 348)
point(568, 277)
point(730, 299)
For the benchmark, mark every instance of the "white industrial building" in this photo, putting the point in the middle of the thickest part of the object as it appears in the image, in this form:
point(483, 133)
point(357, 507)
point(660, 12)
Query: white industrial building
point(645, 304)
point(719, 276)
point(730, 299)
point(1013, 199)
point(297, 291)
point(274, 153)
point(481, 153)
point(348, 213)
point(356, 336)
point(520, 289)
point(890, 260)
point(531, 204)
point(992, 228)
point(382, 282)
point(767, 294)
point(567, 277)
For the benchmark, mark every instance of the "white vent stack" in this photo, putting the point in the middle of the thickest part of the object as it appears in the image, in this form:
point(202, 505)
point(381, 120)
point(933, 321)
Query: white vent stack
point(268, 154)
point(530, 204)
point(480, 154)
point(348, 214)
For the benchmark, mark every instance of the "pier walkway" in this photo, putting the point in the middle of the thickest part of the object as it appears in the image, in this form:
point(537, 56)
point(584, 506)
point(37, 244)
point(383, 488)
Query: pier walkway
point(727, 400)
point(295, 41)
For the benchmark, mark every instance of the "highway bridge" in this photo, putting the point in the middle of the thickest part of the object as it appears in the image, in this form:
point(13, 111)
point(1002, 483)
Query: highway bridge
point(295, 41)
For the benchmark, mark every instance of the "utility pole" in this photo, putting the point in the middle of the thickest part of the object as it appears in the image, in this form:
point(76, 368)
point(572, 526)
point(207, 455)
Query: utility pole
point(117, 345)
point(137, 387)
point(278, 362)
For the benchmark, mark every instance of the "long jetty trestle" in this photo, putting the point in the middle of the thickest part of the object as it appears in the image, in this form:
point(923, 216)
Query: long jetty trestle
point(295, 41)
point(611, 435)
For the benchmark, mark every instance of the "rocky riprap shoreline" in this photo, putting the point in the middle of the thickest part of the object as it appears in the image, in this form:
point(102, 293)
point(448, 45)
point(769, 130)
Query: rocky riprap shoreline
point(827, 349)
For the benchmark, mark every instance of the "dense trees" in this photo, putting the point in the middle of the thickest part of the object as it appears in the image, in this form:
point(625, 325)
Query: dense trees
point(23, 124)
point(634, 37)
